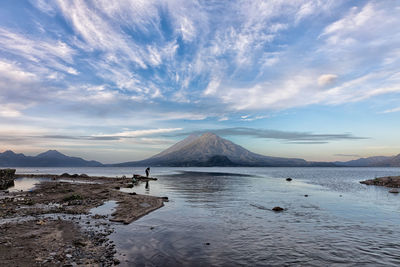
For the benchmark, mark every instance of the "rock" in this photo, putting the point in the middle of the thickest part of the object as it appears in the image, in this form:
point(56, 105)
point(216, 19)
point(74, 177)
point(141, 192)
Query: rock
point(394, 191)
point(84, 175)
point(68, 256)
point(6, 178)
point(277, 209)
point(65, 174)
point(306, 195)
point(207, 244)
point(289, 179)
point(132, 193)
point(116, 261)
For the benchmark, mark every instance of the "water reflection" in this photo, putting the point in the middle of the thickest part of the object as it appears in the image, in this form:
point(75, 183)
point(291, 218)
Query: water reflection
point(26, 184)
point(233, 215)
point(341, 222)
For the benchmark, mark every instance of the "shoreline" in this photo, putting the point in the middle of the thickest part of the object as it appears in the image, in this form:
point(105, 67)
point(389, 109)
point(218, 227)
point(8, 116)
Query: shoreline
point(56, 215)
point(387, 181)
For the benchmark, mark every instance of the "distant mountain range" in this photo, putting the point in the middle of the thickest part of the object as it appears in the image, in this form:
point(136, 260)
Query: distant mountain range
point(379, 161)
point(51, 158)
point(198, 151)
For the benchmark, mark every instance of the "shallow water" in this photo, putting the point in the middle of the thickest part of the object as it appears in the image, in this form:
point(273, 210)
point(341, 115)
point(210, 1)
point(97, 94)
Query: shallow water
point(106, 209)
point(226, 220)
point(26, 184)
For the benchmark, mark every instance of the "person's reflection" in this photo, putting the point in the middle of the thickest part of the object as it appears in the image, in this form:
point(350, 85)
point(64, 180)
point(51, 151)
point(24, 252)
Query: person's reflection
point(147, 186)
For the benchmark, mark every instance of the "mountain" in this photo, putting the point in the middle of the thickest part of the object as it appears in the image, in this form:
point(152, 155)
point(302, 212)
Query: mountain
point(212, 150)
point(377, 161)
point(206, 150)
point(177, 146)
point(51, 158)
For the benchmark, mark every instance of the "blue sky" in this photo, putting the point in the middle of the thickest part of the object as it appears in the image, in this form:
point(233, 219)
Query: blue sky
point(122, 80)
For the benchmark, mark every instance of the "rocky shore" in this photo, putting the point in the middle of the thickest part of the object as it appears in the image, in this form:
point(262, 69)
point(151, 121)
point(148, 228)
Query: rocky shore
point(51, 225)
point(6, 178)
point(389, 181)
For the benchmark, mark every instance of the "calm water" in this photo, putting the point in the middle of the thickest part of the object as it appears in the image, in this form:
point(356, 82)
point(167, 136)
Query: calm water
point(226, 219)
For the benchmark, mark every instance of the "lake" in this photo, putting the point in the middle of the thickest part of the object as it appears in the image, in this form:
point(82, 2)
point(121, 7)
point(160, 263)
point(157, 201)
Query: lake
point(223, 217)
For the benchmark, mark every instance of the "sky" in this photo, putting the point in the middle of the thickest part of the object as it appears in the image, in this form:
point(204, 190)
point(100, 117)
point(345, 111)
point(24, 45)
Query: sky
point(122, 80)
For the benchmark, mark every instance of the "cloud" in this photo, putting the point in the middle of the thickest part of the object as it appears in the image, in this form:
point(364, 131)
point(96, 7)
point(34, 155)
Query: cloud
point(212, 87)
point(326, 79)
point(286, 136)
point(348, 155)
point(10, 112)
point(392, 110)
point(106, 65)
point(138, 133)
point(53, 53)
point(10, 72)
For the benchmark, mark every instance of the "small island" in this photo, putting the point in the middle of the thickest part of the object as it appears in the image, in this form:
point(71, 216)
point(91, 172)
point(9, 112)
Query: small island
point(388, 181)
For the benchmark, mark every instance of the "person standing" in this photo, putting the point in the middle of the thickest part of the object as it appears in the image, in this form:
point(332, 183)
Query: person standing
point(147, 172)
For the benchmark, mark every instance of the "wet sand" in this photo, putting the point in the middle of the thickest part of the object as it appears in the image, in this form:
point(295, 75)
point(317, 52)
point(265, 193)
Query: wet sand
point(29, 238)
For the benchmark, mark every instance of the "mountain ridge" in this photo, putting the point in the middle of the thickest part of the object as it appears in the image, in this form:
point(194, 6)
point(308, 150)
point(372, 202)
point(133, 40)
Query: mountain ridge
point(374, 161)
point(50, 158)
point(206, 150)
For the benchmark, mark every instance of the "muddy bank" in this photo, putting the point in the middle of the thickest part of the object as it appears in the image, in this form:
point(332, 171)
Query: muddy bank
point(49, 243)
point(389, 181)
point(84, 177)
point(26, 233)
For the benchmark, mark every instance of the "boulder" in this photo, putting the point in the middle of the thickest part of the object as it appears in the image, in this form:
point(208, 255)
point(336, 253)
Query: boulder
point(277, 209)
point(6, 178)
point(289, 179)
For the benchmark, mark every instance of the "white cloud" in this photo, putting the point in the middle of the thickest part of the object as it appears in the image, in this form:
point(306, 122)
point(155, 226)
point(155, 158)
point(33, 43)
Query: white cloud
point(11, 72)
point(140, 133)
point(9, 112)
point(187, 29)
point(392, 110)
point(326, 79)
point(212, 87)
point(353, 21)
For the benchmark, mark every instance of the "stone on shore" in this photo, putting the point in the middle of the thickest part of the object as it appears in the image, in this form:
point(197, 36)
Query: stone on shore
point(6, 178)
